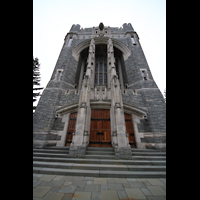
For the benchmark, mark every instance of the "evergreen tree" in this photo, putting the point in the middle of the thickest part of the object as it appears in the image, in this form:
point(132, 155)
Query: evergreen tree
point(36, 79)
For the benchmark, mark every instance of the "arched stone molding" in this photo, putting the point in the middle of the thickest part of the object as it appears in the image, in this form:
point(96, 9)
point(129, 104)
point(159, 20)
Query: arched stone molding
point(101, 40)
point(100, 104)
point(67, 109)
point(130, 109)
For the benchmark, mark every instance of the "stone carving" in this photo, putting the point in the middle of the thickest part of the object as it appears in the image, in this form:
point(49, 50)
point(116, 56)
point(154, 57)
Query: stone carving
point(110, 46)
point(86, 133)
point(117, 105)
point(83, 105)
point(100, 93)
point(114, 133)
point(101, 26)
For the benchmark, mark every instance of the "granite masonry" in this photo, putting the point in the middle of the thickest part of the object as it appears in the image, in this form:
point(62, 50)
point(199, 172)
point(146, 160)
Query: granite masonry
point(101, 67)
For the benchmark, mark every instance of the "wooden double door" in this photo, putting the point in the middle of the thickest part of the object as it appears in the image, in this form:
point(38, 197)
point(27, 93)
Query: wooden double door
point(100, 133)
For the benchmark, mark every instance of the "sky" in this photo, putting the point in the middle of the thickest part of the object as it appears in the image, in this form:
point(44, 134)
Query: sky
point(52, 20)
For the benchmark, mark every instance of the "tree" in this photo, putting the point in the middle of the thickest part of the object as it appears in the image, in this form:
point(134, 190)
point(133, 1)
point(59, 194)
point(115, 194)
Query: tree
point(36, 79)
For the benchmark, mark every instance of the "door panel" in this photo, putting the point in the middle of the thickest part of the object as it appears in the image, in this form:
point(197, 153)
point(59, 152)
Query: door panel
point(129, 129)
point(100, 134)
point(71, 128)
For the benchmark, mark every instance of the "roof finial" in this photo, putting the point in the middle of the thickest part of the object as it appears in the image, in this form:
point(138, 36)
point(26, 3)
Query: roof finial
point(101, 26)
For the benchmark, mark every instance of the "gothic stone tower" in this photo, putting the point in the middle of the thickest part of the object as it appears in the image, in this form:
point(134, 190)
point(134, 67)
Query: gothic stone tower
point(101, 93)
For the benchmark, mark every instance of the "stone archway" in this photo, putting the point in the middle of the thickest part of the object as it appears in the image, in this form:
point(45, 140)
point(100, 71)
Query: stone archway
point(101, 40)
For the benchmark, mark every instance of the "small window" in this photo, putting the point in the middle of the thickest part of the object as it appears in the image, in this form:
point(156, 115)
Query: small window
point(58, 76)
point(117, 68)
point(144, 75)
point(133, 41)
point(69, 43)
point(85, 68)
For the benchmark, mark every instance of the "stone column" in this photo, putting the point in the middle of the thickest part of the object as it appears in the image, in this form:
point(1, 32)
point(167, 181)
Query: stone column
point(82, 129)
point(119, 135)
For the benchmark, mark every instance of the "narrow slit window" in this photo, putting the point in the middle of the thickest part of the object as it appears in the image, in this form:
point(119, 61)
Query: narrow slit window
point(69, 43)
point(58, 76)
point(85, 68)
point(117, 68)
point(144, 75)
point(133, 41)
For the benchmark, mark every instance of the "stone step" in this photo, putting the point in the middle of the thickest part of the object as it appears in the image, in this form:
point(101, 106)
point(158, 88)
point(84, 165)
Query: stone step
point(99, 173)
point(97, 156)
point(144, 150)
point(107, 149)
point(57, 155)
point(51, 151)
point(91, 152)
point(98, 166)
point(149, 157)
point(100, 161)
point(111, 149)
point(100, 153)
point(148, 153)
point(92, 155)
point(57, 148)
point(64, 155)
point(133, 153)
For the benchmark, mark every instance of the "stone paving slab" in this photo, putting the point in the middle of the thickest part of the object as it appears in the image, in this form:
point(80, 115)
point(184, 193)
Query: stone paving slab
point(109, 195)
point(60, 187)
point(115, 186)
point(100, 181)
point(81, 195)
point(156, 190)
point(47, 178)
point(135, 193)
point(53, 196)
point(40, 191)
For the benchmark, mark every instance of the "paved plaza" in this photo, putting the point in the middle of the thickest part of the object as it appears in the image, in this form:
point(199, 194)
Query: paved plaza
point(57, 187)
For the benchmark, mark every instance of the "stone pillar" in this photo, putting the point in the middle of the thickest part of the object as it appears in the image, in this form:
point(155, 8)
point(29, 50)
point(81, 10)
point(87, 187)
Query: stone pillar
point(91, 62)
point(81, 134)
point(119, 135)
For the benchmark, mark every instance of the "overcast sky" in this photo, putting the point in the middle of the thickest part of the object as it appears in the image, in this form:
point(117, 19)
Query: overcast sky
point(52, 20)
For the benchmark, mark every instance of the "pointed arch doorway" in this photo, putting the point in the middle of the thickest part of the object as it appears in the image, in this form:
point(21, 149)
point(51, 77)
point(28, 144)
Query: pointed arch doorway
point(100, 131)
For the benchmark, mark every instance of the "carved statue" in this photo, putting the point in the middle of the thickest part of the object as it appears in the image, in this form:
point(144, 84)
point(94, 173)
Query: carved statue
point(92, 46)
point(110, 46)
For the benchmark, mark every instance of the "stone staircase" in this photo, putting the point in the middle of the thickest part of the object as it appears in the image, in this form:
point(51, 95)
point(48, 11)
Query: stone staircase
point(100, 162)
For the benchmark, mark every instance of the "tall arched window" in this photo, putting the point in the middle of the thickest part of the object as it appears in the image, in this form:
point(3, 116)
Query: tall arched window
point(100, 76)
point(100, 70)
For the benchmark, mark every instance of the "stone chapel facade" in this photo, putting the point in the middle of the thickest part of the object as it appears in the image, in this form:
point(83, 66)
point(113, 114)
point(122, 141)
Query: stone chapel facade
point(102, 94)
